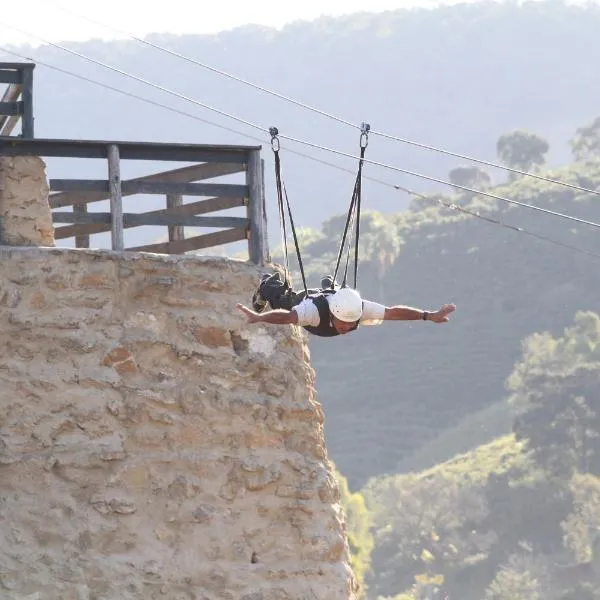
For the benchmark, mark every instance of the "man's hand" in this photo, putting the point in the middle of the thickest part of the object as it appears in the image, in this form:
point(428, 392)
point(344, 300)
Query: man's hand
point(253, 317)
point(441, 315)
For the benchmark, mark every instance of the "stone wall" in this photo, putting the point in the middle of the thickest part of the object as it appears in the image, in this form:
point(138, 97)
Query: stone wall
point(154, 445)
point(25, 217)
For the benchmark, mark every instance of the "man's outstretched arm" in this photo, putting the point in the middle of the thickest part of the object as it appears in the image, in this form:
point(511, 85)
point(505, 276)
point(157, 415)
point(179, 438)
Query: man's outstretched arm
point(408, 313)
point(275, 317)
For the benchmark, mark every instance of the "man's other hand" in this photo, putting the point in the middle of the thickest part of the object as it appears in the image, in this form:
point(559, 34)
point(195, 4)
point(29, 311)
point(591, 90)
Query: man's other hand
point(441, 315)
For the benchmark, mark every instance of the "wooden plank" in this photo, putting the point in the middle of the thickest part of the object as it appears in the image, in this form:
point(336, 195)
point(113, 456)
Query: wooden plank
point(21, 66)
point(80, 185)
point(187, 189)
point(218, 238)
point(139, 219)
point(256, 242)
point(81, 241)
point(11, 108)
point(176, 232)
point(11, 94)
point(73, 217)
point(184, 153)
point(193, 208)
point(266, 250)
point(13, 146)
point(214, 204)
point(27, 96)
point(155, 187)
point(182, 175)
point(202, 207)
point(116, 202)
point(7, 127)
point(10, 75)
point(69, 231)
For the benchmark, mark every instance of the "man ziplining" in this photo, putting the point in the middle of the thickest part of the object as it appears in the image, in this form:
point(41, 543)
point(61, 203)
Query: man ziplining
point(329, 311)
point(332, 309)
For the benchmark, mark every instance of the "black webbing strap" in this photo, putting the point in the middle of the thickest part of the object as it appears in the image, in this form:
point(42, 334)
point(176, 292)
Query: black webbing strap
point(353, 217)
point(281, 193)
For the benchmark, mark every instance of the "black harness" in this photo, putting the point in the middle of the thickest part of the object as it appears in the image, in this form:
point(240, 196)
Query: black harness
point(352, 219)
point(325, 328)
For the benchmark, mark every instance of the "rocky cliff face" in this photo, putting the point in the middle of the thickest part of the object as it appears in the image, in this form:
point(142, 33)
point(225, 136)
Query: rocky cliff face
point(153, 445)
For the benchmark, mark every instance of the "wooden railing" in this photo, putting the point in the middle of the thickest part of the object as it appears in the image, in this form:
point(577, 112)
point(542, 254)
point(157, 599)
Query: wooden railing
point(213, 161)
point(16, 103)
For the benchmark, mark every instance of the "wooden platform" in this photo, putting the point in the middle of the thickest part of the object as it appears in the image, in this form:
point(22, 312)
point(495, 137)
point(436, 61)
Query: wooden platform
point(212, 161)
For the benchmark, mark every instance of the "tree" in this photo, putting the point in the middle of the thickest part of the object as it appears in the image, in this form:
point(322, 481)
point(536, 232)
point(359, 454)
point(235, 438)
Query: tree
point(582, 526)
point(586, 142)
point(470, 176)
point(358, 524)
point(424, 527)
point(582, 591)
point(379, 243)
point(513, 583)
point(522, 150)
point(562, 425)
point(526, 507)
point(555, 391)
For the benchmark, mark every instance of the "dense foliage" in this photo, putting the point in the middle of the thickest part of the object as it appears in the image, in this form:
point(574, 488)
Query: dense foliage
point(516, 517)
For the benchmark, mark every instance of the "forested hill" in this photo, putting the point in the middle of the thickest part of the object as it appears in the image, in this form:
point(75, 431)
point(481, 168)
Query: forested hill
point(406, 395)
point(456, 77)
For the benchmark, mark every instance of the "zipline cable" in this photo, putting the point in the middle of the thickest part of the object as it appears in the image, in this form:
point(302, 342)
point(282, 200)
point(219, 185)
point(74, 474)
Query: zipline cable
point(187, 114)
point(454, 185)
point(134, 77)
point(309, 157)
point(308, 107)
point(298, 141)
point(304, 142)
point(458, 208)
point(204, 65)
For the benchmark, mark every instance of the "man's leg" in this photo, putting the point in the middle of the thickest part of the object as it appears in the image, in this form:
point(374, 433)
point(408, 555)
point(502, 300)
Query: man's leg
point(274, 291)
point(297, 297)
point(277, 293)
point(258, 302)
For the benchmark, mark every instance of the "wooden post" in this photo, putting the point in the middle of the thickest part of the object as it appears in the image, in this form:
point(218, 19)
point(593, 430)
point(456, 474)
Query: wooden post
point(81, 241)
point(257, 232)
point(27, 96)
point(116, 203)
point(266, 251)
point(176, 233)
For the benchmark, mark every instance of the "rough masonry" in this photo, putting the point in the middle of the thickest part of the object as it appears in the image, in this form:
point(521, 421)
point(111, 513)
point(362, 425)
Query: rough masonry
point(25, 218)
point(152, 444)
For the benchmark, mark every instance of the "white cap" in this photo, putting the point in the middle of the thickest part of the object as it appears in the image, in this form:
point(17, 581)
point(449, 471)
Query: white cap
point(346, 305)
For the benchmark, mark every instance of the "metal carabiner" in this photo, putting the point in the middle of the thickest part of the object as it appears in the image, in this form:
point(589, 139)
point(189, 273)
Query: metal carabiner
point(364, 134)
point(274, 139)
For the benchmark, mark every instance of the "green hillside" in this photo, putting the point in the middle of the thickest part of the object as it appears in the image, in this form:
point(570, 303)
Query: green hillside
point(516, 518)
point(390, 390)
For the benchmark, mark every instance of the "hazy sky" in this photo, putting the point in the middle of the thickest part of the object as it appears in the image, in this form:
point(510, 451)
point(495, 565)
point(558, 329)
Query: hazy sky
point(47, 18)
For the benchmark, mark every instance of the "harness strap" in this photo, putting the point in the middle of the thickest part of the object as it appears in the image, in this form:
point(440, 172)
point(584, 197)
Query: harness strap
point(281, 193)
point(353, 217)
